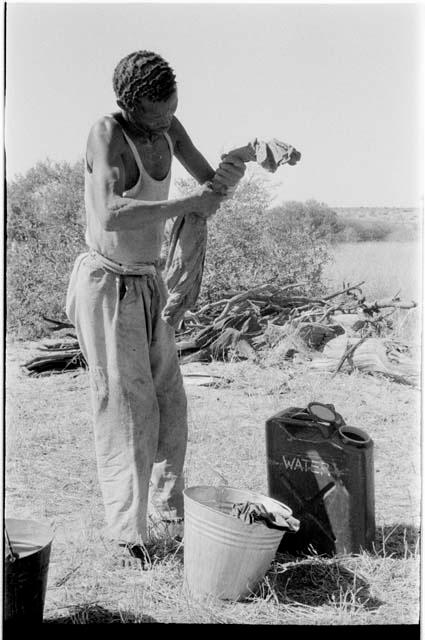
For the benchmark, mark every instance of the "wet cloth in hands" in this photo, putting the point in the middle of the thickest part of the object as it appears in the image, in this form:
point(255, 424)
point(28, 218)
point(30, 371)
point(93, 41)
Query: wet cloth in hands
point(250, 512)
point(187, 244)
point(270, 155)
point(184, 266)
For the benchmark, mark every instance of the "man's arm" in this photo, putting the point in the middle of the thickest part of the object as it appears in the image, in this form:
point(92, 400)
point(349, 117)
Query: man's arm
point(104, 151)
point(188, 155)
point(228, 173)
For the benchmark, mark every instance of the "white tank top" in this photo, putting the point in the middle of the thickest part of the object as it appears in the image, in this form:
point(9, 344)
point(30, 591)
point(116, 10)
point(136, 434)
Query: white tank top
point(135, 246)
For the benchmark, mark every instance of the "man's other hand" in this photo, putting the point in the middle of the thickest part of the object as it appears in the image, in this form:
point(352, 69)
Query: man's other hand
point(230, 171)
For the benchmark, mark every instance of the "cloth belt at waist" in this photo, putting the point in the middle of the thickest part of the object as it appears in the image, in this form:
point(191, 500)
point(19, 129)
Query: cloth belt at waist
point(124, 269)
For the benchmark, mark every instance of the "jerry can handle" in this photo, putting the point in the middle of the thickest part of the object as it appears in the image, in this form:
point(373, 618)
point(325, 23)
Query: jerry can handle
point(322, 416)
point(323, 430)
point(294, 421)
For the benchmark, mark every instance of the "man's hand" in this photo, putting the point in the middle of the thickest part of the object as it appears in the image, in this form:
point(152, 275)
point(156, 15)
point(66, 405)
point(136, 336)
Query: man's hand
point(208, 201)
point(230, 171)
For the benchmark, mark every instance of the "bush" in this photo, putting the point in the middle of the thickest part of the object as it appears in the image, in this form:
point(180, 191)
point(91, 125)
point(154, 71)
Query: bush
point(314, 217)
point(354, 230)
point(45, 233)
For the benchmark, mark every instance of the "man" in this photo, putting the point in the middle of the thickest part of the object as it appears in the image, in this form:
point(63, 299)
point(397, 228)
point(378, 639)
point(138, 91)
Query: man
point(116, 295)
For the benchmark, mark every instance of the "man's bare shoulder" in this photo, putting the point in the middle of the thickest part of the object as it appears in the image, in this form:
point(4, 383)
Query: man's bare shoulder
point(106, 132)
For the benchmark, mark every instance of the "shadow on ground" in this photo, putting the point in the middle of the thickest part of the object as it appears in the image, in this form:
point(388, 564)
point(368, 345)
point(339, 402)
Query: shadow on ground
point(398, 541)
point(315, 582)
point(95, 614)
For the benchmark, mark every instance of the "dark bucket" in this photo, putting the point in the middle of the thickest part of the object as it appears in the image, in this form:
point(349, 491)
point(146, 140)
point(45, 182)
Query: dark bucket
point(26, 569)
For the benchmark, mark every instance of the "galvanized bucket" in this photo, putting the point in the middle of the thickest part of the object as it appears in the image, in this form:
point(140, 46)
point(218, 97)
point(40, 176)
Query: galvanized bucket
point(28, 545)
point(224, 557)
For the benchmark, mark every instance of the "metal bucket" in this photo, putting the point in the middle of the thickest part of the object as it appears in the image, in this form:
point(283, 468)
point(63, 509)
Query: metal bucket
point(26, 569)
point(224, 557)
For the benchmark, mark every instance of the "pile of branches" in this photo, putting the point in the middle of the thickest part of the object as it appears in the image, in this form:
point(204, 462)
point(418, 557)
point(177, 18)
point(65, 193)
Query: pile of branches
point(58, 356)
point(238, 326)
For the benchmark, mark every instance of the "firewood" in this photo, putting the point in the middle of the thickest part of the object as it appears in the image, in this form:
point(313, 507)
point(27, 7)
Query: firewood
point(58, 325)
point(387, 303)
point(237, 323)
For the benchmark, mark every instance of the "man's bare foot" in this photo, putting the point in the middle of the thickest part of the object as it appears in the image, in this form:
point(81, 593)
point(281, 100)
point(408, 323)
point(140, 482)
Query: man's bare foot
point(136, 555)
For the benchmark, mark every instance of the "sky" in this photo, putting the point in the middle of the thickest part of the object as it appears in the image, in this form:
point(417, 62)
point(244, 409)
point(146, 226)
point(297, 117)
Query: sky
point(340, 82)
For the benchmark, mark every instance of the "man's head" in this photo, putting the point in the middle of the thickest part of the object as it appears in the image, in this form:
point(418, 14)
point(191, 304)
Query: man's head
point(145, 87)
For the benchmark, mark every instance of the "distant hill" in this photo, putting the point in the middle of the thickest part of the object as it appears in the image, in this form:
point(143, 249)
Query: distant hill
point(394, 215)
point(403, 223)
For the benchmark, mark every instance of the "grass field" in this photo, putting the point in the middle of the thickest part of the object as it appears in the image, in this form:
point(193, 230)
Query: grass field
point(387, 268)
point(51, 476)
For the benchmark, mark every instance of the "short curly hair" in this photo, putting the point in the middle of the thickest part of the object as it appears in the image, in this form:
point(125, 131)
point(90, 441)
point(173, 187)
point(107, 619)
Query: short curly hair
point(143, 74)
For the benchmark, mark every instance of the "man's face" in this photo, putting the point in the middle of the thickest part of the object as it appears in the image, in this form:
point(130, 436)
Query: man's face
point(154, 117)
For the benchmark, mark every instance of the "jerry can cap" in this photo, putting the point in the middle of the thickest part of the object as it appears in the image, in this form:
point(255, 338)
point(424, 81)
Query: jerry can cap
point(323, 412)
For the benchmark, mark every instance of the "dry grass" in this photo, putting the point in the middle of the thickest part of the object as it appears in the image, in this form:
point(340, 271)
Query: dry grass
point(387, 268)
point(51, 475)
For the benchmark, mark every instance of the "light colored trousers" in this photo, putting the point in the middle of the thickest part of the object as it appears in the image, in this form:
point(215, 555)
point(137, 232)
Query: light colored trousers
point(138, 399)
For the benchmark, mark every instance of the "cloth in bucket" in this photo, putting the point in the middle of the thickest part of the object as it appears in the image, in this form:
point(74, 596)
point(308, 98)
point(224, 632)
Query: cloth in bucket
point(250, 512)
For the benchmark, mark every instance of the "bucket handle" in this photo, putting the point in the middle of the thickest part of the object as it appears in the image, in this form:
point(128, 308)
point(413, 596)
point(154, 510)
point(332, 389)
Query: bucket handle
point(223, 482)
point(10, 551)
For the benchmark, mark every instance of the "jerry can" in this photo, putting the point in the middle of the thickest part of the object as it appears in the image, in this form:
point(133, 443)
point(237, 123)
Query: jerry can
point(323, 470)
